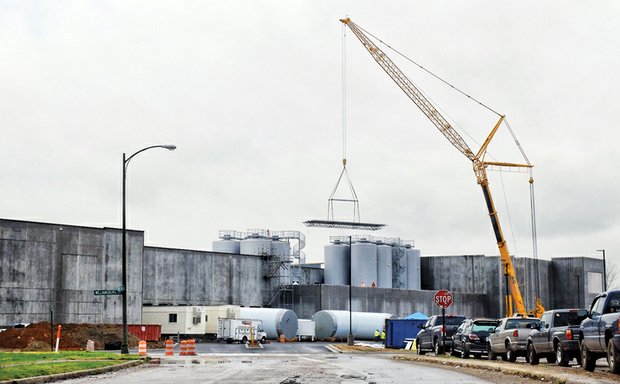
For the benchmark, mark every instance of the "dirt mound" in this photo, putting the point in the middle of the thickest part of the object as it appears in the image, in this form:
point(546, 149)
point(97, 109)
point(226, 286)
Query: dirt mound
point(36, 337)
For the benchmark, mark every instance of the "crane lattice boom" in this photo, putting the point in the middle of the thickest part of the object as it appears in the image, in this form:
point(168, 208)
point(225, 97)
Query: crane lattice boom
point(479, 166)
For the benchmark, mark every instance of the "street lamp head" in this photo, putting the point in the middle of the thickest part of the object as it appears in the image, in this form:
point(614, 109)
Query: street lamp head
point(169, 147)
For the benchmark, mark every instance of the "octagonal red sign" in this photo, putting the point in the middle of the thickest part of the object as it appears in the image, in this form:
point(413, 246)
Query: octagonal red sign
point(443, 298)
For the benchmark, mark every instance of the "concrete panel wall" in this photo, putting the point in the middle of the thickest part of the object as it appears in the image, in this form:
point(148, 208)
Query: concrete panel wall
point(570, 277)
point(53, 267)
point(187, 277)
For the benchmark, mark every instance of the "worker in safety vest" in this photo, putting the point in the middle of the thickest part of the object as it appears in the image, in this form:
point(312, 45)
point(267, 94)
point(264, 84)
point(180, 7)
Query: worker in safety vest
point(383, 336)
point(376, 335)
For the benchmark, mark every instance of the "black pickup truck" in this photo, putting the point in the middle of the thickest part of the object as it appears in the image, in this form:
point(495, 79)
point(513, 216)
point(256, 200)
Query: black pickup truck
point(599, 333)
point(429, 337)
point(556, 337)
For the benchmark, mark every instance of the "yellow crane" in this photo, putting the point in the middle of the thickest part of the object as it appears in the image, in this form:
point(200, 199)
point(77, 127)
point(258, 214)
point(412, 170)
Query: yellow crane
point(477, 159)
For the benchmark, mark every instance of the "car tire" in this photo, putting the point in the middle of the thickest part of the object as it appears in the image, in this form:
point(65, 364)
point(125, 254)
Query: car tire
point(551, 359)
point(588, 362)
point(510, 354)
point(464, 351)
point(244, 340)
point(438, 348)
point(504, 357)
point(531, 357)
point(477, 356)
point(492, 355)
point(263, 340)
point(419, 348)
point(560, 356)
point(613, 357)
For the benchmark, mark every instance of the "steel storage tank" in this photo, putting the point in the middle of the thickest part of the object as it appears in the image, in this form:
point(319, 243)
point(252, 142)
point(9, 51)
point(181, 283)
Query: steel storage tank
point(255, 244)
point(282, 250)
point(384, 266)
point(413, 268)
point(363, 263)
point(328, 324)
point(337, 259)
point(226, 245)
point(276, 321)
point(399, 267)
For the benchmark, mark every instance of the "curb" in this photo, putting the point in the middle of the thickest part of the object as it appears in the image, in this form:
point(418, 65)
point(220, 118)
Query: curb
point(74, 375)
point(542, 376)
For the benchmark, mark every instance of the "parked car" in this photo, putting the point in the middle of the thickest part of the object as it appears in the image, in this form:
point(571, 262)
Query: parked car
point(556, 337)
point(599, 333)
point(430, 336)
point(471, 337)
point(509, 339)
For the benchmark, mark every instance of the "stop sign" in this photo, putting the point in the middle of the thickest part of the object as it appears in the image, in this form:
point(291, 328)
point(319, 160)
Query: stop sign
point(443, 298)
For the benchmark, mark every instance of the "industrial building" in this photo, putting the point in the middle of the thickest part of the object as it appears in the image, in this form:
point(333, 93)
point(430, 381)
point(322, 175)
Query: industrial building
point(53, 270)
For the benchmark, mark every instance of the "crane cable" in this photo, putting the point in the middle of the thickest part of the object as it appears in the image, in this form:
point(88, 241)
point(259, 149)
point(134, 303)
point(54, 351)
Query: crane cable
point(344, 94)
point(429, 72)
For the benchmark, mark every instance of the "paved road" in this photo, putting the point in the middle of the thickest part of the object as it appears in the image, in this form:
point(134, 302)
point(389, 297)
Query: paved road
point(271, 347)
point(326, 368)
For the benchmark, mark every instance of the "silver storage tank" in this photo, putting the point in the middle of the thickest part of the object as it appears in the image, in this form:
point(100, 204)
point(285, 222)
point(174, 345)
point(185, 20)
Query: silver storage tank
point(255, 245)
point(328, 324)
point(413, 268)
point(363, 263)
point(337, 259)
point(282, 249)
point(384, 266)
point(226, 245)
point(276, 321)
point(399, 267)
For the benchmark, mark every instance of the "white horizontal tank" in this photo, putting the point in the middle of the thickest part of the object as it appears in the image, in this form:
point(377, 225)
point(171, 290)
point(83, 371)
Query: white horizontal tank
point(276, 321)
point(335, 324)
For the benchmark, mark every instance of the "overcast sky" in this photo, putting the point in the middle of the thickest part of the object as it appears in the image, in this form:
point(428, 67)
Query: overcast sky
point(250, 92)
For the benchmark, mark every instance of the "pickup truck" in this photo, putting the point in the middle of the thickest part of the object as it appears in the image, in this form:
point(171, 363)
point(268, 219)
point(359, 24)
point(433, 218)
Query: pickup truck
point(429, 337)
point(509, 339)
point(599, 333)
point(556, 337)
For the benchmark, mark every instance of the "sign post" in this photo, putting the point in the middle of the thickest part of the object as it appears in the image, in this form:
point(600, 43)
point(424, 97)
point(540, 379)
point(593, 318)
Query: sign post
point(443, 299)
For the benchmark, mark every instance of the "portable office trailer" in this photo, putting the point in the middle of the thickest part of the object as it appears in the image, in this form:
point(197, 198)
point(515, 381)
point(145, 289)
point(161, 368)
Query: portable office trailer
point(176, 320)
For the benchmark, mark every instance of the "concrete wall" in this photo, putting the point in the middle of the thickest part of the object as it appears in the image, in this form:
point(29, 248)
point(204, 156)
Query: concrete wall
point(573, 290)
point(186, 277)
point(309, 299)
point(562, 282)
point(52, 267)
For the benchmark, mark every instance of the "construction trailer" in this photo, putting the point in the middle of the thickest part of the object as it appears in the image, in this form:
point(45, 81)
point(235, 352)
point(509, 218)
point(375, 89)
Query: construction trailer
point(182, 321)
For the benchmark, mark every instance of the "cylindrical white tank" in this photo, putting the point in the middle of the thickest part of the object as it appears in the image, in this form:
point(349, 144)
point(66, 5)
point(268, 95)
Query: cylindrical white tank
point(255, 245)
point(363, 263)
point(276, 321)
point(337, 259)
point(384, 266)
point(226, 245)
point(399, 267)
point(413, 268)
point(280, 248)
point(335, 324)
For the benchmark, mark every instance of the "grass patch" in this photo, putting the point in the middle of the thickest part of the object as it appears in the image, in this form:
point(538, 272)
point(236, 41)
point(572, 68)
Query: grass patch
point(18, 365)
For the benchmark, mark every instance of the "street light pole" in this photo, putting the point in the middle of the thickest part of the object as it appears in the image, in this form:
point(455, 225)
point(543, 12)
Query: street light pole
point(350, 337)
point(604, 270)
point(125, 344)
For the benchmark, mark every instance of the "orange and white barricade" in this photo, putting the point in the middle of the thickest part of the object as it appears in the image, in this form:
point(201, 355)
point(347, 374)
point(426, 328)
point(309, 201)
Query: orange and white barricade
point(142, 348)
point(183, 348)
point(169, 347)
point(191, 347)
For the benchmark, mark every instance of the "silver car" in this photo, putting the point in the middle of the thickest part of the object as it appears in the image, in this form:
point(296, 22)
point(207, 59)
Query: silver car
point(509, 340)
